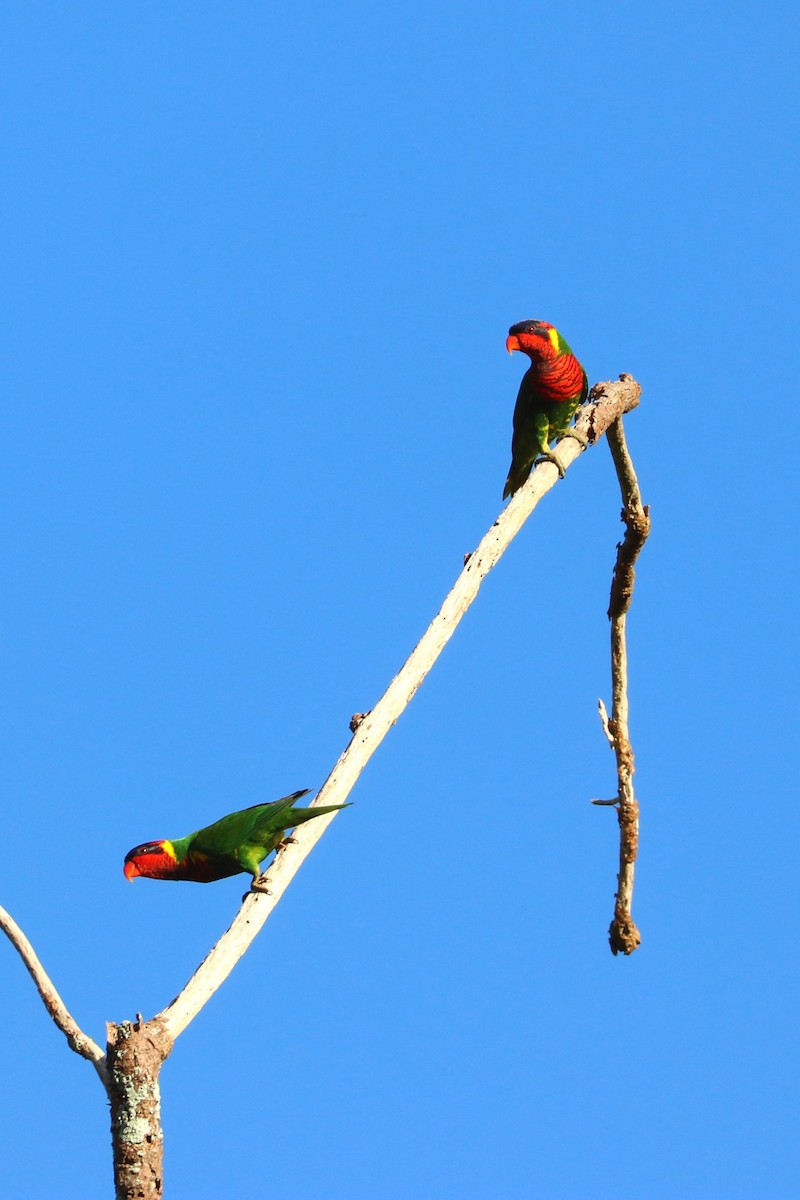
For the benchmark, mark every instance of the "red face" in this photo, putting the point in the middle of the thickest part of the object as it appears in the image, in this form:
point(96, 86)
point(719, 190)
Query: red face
point(532, 338)
point(150, 860)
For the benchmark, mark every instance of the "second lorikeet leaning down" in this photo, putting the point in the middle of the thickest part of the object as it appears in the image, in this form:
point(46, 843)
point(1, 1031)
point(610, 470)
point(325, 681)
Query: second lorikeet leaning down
point(552, 388)
point(238, 842)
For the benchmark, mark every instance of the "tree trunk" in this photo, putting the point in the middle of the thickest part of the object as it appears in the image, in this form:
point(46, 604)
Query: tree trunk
point(134, 1055)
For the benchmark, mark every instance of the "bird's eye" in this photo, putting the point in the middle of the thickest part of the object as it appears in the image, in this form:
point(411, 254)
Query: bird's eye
point(145, 848)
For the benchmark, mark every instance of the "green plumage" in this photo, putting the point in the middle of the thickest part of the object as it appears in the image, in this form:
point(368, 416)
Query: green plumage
point(552, 389)
point(238, 842)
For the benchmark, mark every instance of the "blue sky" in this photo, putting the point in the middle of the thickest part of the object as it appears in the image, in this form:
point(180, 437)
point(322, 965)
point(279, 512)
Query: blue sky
point(258, 267)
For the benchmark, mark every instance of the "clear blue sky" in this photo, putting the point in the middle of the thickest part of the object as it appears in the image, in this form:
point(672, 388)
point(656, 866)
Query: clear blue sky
point(259, 262)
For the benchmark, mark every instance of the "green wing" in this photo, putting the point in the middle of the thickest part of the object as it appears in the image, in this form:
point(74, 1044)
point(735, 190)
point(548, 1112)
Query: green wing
point(254, 824)
point(240, 841)
point(269, 819)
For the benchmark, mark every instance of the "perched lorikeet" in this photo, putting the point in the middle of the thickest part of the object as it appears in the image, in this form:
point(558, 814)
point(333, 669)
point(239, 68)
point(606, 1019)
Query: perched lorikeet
point(238, 842)
point(552, 388)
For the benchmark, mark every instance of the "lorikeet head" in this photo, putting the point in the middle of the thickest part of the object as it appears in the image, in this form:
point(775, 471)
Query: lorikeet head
point(537, 339)
point(153, 860)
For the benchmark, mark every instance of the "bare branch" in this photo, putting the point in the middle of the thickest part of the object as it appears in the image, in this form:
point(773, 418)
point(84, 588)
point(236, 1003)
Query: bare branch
point(623, 935)
point(607, 402)
point(80, 1042)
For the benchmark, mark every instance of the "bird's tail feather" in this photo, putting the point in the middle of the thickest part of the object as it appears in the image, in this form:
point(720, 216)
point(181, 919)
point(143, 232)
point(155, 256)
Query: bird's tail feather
point(299, 815)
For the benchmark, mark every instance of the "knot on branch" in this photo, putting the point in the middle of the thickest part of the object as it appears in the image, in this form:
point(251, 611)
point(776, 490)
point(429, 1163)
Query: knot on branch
point(623, 936)
point(628, 817)
point(623, 750)
point(80, 1044)
point(637, 523)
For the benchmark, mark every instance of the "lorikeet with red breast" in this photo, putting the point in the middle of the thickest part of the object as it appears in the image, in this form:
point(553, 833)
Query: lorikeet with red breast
point(552, 388)
point(238, 842)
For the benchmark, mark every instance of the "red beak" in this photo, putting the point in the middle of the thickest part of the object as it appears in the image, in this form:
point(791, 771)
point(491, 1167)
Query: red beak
point(130, 871)
point(512, 343)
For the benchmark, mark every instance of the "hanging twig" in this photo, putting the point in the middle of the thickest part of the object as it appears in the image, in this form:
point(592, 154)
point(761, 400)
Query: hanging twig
point(623, 935)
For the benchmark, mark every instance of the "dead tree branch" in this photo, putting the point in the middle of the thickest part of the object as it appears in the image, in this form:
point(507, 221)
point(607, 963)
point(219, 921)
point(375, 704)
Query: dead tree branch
point(607, 403)
point(623, 935)
point(78, 1041)
point(135, 1051)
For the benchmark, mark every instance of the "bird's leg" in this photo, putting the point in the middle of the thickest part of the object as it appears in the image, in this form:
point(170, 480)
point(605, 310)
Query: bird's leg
point(547, 454)
point(543, 431)
point(287, 841)
point(250, 858)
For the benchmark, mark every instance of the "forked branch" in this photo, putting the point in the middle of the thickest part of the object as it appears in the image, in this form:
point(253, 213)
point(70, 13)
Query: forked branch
point(608, 402)
point(135, 1051)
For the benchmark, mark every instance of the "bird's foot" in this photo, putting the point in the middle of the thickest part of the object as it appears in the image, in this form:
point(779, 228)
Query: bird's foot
point(548, 456)
point(287, 841)
point(579, 437)
point(258, 886)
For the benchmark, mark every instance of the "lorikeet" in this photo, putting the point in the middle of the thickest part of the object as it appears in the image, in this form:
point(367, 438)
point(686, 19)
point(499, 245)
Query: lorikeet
point(552, 388)
point(238, 842)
